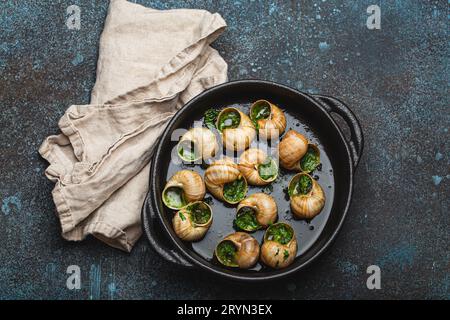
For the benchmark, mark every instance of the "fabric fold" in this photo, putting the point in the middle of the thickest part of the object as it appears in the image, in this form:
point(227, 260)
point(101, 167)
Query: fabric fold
point(151, 62)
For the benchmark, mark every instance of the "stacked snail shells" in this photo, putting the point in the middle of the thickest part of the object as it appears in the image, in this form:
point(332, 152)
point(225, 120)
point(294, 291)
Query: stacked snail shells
point(307, 198)
point(228, 180)
point(183, 193)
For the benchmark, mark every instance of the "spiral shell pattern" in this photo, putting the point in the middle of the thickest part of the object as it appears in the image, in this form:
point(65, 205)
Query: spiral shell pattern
point(248, 165)
point(219, 173)
point(292, 148)
point(265, 207)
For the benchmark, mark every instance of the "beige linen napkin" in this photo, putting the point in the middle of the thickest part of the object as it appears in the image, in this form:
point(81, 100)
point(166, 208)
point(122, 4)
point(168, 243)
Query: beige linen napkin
point(151, 62)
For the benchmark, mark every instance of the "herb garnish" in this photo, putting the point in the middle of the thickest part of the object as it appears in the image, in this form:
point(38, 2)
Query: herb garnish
point(302, 185)
point(229, 120)
point(260, 111)
point(280, 233)
point(246, 220)
point(226, 253)
point(210, 118)
point(310, 160)
point(200, 213)
point(268, 170)
point(235, 191)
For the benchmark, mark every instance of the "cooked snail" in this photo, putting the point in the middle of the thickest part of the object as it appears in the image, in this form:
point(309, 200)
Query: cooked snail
point(270, 120)
point(193, 221)
point(255, 212)
point(280, 246)
point(307, 196)
point(257, 168)
point(196, 144)
point(225, 182)
point(183, 187)
point(292, 148)
point(237, 129)
point(311, 160)
point(238, 250)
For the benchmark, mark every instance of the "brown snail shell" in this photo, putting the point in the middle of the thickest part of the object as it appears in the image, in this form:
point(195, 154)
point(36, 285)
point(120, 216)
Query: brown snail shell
point(273, 125)
point(187, 227)
point(275, 254)
point(292, 148)
point(264, 207)
point(239, 138)
point(249, 164)
point(204, 142)
point(246, 251)
point(220, 173)
point(306, 206)
point(188, 185)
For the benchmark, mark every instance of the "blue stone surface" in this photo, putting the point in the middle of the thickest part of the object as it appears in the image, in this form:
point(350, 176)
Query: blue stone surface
point(394, 79)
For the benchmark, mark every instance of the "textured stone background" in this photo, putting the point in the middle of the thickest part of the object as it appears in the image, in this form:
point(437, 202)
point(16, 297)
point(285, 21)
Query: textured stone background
point(395, 79)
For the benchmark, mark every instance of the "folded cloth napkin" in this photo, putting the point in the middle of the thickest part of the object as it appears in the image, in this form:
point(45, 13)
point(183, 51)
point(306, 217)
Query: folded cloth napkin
point(150, 63)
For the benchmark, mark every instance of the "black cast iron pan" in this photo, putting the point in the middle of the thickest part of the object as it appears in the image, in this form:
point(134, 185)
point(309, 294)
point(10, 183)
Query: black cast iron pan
point(307, 114)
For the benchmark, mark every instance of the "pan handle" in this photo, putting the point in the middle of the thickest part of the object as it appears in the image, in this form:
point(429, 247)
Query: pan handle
point(356, 141)
point(149, 225)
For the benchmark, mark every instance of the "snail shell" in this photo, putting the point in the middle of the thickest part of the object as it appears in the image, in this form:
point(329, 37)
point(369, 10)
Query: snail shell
point(246, 251)
point(187, 223)
point(204, 144)
point(264, 208)
point(292, 148)
point(271, 123)
point(183, 187)
point(309, 203)
point(250, 163)
point(220, 173)
point(239, 137)
point(276, 254)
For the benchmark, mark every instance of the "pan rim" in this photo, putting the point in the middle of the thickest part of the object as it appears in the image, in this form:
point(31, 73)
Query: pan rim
point(226, 273)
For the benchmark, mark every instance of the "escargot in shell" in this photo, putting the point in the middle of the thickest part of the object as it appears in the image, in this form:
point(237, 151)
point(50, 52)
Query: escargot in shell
point(225, 182)
point(193, 221)
point(183, 187)
point(236, 128)
point(306, 196)
point(256, 212)
point(292, 148)
point(238, 250)
point(257, 168)
point(270, 120)
point(280, 246)
point(196, 144)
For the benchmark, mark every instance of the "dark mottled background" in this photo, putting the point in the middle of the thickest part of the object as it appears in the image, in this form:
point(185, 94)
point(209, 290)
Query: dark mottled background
point(395, 79)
